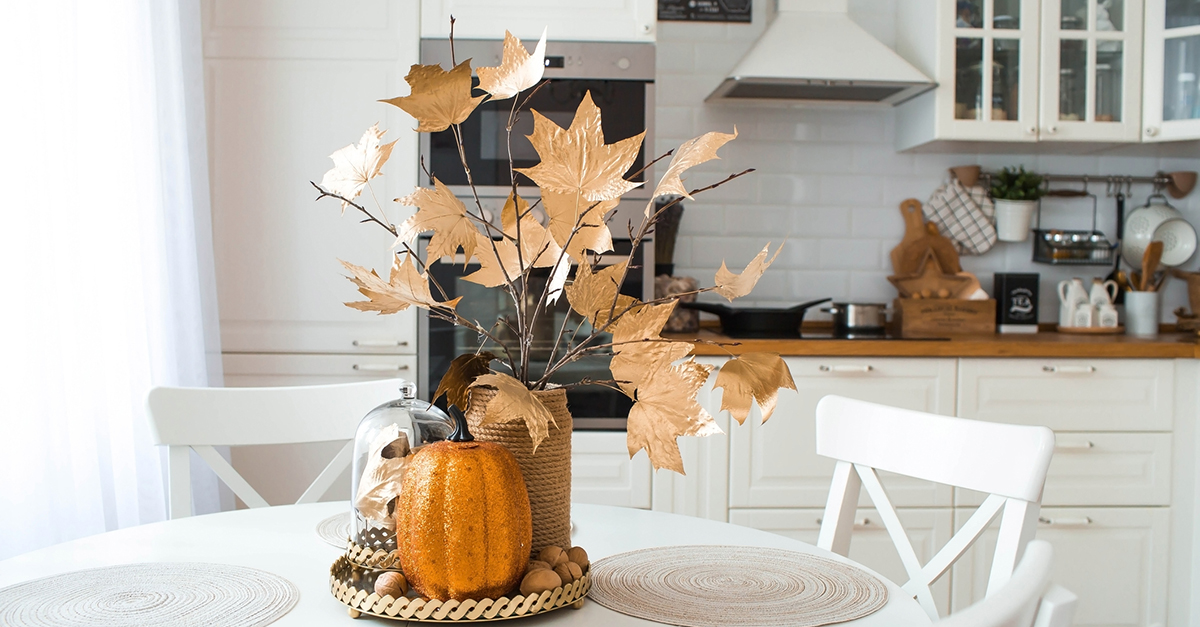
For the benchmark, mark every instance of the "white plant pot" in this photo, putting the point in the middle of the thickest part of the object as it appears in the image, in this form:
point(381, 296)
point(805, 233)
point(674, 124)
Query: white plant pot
point(1014, 219)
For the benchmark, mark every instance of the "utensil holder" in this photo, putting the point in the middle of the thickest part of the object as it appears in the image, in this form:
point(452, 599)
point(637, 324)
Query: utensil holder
point(1141, 314)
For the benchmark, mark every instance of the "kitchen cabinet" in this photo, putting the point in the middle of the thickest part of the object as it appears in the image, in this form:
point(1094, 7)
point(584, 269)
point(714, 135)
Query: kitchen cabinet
point(1171, 93)
point(775, 464)
point(870, 545)
point(1023, 71)
point(1114, 558)
point(565, 20)
point(603, 474)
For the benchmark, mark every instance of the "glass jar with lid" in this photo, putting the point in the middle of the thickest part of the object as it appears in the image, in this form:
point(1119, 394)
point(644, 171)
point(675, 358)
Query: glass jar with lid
point(385, 437)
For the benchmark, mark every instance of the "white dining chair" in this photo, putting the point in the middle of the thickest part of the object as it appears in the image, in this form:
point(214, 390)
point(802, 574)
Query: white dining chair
point(1006, 461)
point(1027, 600)
point(201, 418)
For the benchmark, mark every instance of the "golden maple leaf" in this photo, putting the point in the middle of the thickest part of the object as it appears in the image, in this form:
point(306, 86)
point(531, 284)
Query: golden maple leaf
point(691, 153)
point(438, 98)
point(576, 159)
point(440, 211)
point(591, 294)
point(404, 288)
point(380, 481)
point(733, 286)
point(458, 378)
point(538, 248)
point(518, 70)
point(354, 165)
point(666, 408)
point(571, 210)
point(514, 400)
point(638, 349)
point(753, 376)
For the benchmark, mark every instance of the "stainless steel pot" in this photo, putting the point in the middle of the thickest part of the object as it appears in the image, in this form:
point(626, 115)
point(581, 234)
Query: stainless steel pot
point(858, 317)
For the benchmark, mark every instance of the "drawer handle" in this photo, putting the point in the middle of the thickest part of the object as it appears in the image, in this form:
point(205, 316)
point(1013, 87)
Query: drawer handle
point(379, 343)
point(1066, 522)
point(380, 367)
point(858, 524)
point(846, 368)
point(1069, 369)
point(1074, 446)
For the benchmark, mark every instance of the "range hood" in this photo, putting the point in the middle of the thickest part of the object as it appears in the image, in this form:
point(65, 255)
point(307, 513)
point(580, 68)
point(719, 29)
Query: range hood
point(813, 51)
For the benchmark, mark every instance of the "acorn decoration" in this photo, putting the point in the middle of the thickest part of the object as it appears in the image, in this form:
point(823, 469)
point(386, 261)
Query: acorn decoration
point(464, 528)
point(554, 568)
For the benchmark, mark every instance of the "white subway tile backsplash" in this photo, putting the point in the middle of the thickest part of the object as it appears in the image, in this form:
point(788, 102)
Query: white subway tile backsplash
point(702, 219)
point(810, 284)
point(851, 254)
point(757, 219)
point(879, 222)
point(672, 122)
point(823, 158)
point(821, 221)
point(851, 190)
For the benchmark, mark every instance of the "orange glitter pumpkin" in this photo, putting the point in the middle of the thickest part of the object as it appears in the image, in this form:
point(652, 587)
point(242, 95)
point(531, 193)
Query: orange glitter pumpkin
point(463, 525)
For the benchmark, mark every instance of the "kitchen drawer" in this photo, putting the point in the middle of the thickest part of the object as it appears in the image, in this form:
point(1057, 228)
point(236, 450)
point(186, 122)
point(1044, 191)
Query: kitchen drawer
point(1069, 394)
point(364, 333)
point(870, 544)
point(603, 474)
point(1103, 469)
point(776, 464)
point(1114, 558)
point(250, 370)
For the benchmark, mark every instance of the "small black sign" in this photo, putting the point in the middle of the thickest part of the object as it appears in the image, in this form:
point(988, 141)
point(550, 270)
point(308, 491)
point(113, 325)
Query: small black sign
point(704, 10)
point(1016, 299)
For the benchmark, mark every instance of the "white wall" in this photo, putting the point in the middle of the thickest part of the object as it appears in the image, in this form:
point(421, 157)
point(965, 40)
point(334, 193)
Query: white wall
point(830, 181)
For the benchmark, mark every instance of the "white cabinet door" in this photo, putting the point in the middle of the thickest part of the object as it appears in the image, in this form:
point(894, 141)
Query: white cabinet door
point(1115, 559)
point(776, 465)
point(1091, 70)
point(1069, 394)
point(574, 20)
point(1171, 105)
point(1103, 469)
point(870, 545)
point(288, 84)
point(603, 474)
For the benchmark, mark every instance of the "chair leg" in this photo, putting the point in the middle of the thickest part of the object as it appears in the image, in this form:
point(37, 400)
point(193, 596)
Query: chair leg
point(1018, 524)
point(838, 521)
point(179, 482)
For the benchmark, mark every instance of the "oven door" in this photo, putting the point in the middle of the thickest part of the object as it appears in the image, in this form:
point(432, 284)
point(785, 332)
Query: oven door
point(592, 407)
point(623, 105)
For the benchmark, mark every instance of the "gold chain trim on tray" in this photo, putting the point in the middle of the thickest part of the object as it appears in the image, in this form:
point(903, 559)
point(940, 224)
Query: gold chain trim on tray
point(372, 558)
point(343, 577)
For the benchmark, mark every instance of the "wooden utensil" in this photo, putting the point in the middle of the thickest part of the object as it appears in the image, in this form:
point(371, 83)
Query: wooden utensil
point(914, 253)
point(914, 229)
point(930, 281)
point(1150, 260)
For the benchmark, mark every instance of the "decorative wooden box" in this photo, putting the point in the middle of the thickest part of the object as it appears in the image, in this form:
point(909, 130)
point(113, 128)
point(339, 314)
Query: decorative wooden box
point(941, 317)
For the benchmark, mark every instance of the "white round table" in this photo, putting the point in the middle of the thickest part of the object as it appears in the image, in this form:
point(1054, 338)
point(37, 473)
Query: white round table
point(283, 540)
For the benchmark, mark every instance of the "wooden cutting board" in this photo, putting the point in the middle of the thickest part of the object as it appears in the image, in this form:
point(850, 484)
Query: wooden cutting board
point(914, 229)
point(914, 253)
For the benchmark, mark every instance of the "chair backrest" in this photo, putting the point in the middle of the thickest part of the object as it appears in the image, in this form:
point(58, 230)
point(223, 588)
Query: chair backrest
point(1007, 461)
point(201, 418)
point(1016, 603)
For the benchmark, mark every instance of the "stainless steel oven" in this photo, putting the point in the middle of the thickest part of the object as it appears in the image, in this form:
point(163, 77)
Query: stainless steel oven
point(592, 407)
point(620, 77)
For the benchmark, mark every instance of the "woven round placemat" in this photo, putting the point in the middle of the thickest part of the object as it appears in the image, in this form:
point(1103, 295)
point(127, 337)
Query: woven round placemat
point(714, 586)
point(335, 530)
point(166, 594)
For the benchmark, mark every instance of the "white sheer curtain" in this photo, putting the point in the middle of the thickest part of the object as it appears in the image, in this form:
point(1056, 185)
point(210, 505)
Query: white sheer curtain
point(105, 258)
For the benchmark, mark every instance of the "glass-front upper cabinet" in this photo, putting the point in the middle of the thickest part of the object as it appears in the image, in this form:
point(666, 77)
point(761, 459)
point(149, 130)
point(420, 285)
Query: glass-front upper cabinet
point(988, 69)
point(1091, 70)
point(1172, 91)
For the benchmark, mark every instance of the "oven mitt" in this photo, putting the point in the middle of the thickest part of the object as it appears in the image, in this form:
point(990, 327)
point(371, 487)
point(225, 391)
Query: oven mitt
point(965, 216)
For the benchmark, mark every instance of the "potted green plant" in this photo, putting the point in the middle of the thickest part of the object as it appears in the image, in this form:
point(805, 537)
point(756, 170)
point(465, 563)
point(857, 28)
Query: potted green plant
point(1015, 193)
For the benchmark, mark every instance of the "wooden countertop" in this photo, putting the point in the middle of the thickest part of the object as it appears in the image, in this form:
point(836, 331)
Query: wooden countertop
point(1044, 344)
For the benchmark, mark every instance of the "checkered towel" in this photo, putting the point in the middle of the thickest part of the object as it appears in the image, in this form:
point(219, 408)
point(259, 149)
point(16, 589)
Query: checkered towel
point(965, 216)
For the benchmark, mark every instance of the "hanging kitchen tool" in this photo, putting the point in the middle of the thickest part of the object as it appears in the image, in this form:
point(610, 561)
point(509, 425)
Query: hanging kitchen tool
point(914, 229)
point(1081, 248)
point(1162, 222)
point(965, 214)
point(757, 322)
point(1117, 275)
point(915, 251)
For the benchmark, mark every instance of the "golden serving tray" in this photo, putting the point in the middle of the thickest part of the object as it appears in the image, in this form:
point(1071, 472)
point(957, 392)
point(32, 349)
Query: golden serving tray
point(345, 577)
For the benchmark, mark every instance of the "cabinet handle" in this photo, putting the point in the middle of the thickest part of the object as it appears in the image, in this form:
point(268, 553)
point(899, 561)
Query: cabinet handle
point(846, 368)
point(861, 522)
point(1051, 129)
point(1031, 130)
point(1069, 369)
point(1074, 446)
point(380, 367)
point(1066, 522)
point(1151, 131)
point(379, 343)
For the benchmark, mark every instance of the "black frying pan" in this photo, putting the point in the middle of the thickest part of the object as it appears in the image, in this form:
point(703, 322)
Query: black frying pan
point(750, 322)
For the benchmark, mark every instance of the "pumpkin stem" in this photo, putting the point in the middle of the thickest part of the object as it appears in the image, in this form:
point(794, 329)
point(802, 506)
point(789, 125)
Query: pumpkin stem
point(461, 433)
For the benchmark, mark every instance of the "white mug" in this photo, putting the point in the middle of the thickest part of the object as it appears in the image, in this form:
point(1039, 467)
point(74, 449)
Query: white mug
point(1103, 292)
point(1106, 316)
point(1085, 316)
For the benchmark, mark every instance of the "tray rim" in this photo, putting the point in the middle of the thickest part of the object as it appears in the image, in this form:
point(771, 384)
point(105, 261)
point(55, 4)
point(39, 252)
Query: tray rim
point(1117, 330)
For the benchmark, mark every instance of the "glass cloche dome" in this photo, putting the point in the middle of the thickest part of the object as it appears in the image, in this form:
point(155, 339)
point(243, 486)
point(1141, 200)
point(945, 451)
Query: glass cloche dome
point(386, 435)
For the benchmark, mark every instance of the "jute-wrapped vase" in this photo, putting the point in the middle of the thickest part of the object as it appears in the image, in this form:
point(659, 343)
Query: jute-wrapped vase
point(547, 472)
